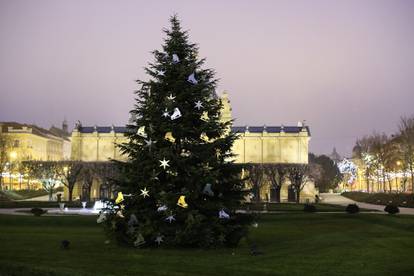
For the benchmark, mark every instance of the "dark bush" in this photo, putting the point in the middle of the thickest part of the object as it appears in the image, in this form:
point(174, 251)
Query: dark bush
point(38, 211)
point(391, 209)
point(309, 208)
point(352, 209)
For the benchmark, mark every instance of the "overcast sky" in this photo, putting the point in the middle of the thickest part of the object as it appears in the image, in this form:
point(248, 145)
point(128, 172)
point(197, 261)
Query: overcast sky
point(346, 67)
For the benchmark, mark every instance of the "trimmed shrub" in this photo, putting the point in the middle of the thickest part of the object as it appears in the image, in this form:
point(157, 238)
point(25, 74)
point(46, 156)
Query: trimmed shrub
point(38, 211)
point(352, 209)
point(391, 209)
point(309, 208)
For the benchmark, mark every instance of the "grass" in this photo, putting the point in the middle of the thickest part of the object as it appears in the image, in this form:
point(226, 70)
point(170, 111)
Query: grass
point(279, 207)
point(25, 194)
point(293, 244)
point(293, 207)
point(402, 200)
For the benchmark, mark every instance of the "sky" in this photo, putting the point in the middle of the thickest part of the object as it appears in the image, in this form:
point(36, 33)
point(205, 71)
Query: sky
point(346, 67)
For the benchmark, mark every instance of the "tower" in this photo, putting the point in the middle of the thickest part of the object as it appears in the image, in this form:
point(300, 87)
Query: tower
point(226, 108)
point(65, 126)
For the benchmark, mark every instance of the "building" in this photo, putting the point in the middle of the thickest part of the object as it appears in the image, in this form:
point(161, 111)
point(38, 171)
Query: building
point(30, 142)
point(256, 144)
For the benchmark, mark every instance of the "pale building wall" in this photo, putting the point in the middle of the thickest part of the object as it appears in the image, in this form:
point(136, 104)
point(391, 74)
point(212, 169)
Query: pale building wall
point(251, 147)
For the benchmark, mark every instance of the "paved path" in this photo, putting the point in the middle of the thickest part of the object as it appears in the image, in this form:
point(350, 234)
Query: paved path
point(343, 201)
point(40, 198)
point(50, 212)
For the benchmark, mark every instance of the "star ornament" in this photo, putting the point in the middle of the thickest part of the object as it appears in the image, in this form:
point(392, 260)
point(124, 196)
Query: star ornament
point(170, 218)
point(198, 105)
point(171, 97)
point(165, 114)
point(164, 163)
point(149, 143)
point(144, 192)
point(159, 239)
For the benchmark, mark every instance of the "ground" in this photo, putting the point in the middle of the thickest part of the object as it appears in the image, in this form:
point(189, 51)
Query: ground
point(292, 244)
point(338, 199)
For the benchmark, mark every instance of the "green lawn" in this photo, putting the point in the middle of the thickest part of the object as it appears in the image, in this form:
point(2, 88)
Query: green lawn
point(293, 244)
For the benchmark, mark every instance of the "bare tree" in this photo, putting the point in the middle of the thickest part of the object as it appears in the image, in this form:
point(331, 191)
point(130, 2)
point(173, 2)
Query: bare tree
point(300, 174)
point(69, 173)
point(276, 173)
point(406, 140)
point(46, 172)
point(256, 178)
point(5, 144)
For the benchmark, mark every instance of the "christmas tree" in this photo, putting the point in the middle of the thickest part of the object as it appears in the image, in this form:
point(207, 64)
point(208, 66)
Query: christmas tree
point(179, 186)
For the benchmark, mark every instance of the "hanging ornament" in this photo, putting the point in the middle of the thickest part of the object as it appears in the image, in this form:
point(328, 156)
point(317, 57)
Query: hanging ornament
point(149, 143)
point(255, 224)
point(159, 239)
point(198, 105)
point(169, 137)
point(176, 114)
point(162, 208)
point(223, 214)
point(171, 97)
point(191, 79)
point(120, 214)
point(119, 198)
point(207, 190)
point(132, 220)
point(170, 218)
point(175, 58)
point(101, 218)
point(144, 192)
point(181, 202)
point(204, 117)
point(131, 230)
point(122, 206)
point(139, 241)
point(173, 173)
point(204, 137)
point(185, 153)
point(141, 132)
point(161, 73)
point(164, 163)
point(165, 114)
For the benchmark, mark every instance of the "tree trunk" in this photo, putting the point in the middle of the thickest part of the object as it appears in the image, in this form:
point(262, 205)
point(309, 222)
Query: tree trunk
point(1, 182)
point(70, 193)
point(257, 193)
point(50, 194)
point(297, 196)
point(278, 188)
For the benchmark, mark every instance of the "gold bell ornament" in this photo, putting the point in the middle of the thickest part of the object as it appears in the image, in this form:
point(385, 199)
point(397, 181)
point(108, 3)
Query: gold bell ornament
point(204, 116)
point(119, 198)
point(141, 132)
point(181, 202)
point(169, 137)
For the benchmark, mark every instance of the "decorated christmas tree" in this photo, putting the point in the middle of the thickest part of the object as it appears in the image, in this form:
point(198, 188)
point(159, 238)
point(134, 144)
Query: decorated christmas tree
point(180, 186)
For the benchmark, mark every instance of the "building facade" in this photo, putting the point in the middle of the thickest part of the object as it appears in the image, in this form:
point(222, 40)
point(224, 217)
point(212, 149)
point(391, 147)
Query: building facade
point(30, 142)
point(255, 145)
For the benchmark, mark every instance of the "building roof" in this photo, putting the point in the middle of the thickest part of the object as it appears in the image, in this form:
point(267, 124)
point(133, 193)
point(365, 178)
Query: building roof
point(235, 129)
point(36, 130)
